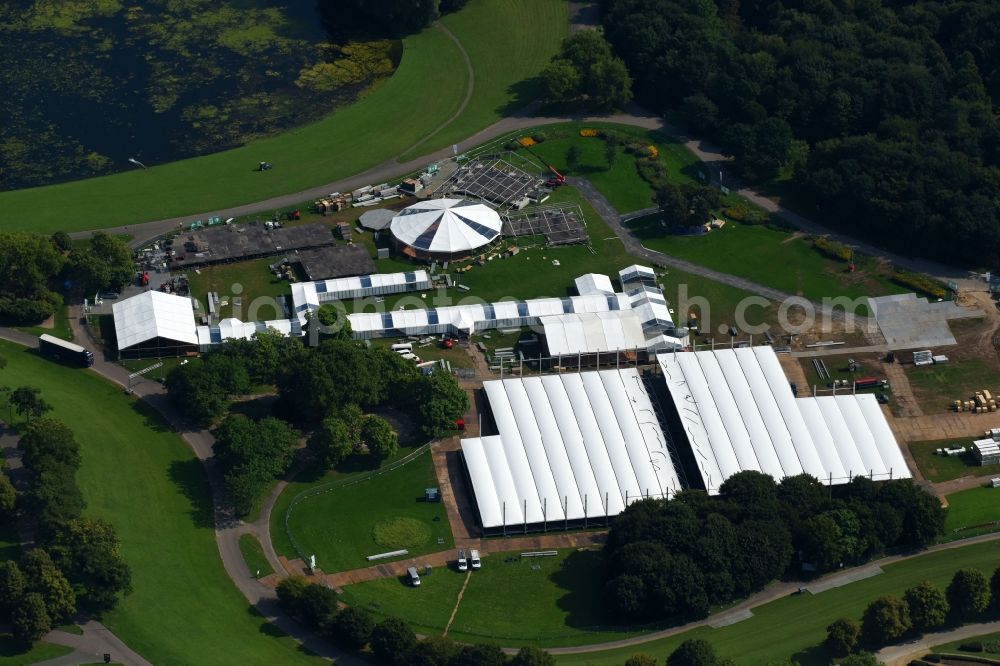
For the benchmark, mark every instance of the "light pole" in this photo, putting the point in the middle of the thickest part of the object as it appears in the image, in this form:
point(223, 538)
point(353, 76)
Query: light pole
point(136, 162)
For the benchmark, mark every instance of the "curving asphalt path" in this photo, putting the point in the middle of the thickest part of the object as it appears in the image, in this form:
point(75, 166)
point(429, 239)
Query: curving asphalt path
point(899, 655)
point(227, 529)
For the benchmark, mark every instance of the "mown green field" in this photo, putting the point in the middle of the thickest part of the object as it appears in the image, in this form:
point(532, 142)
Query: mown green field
point(945, 468)
point(145, 480)
point(936, 386)
point(510, 601)
point(795, 626)
point(619, 181)
point(345, 525)
point(523, 36)
point(425, 91)
point(771, 257)
point(968, 509)
point(12, 653)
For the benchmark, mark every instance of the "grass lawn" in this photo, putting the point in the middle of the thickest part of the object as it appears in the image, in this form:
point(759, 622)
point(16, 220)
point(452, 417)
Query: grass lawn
point(13, 654)
point(944, 468)
point(250, 281)
point(969, 508)
point(144, 479)
point(620, 182)
point(385, 513)
point(771, 257)
point(512, 601)
point(991, 645)
point(795, 626)
point(523, 36)
point(253, 555)
point(424, 92)
point(936, 386)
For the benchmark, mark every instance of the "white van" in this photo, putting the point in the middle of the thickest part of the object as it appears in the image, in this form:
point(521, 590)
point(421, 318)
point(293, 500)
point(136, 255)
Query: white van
point(402, 346)
point(463, 564)
point(413, 576)
point(474, 558)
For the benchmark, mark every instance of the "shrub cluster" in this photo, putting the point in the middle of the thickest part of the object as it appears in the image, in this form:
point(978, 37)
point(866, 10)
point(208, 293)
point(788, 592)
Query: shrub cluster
point(832, 249)
point(920, 283)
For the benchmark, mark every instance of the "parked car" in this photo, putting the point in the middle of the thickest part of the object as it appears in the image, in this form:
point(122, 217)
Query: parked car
point(463, 564)
point(413, 576)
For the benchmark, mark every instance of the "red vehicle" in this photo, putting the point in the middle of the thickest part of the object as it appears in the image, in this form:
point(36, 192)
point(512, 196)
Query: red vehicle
point(556, 179)
point(868, 382)
point(447, 343)
point(144, 280)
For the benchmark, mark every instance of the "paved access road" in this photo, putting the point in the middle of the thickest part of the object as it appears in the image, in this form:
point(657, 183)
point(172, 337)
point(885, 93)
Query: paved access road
point(715, 161)
point(900, 655)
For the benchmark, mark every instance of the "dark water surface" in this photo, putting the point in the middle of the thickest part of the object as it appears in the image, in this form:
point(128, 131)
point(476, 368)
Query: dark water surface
point(87, 84)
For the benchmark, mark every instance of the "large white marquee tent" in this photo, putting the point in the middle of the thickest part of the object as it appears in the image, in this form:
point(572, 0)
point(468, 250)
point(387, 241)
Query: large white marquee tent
point(154, 318)
point(738, 413)
point(446, 227)
point(570, 447)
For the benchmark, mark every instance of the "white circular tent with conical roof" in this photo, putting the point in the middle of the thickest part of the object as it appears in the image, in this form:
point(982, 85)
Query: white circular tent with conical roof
point(445, 228)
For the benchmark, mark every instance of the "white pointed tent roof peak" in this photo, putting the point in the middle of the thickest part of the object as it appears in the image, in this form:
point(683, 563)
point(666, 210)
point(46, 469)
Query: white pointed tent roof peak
point(446, 226)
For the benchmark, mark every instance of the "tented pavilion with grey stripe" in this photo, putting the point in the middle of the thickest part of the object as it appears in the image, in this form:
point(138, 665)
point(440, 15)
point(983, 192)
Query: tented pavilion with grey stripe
point(445, 229)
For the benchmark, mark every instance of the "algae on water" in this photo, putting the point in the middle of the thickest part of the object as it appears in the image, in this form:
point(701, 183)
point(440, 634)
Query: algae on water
point(90, 83)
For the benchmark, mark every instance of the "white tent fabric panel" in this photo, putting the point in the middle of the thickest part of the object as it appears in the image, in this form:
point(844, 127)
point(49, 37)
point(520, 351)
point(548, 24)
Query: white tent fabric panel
point(765, 446)
point(778, 413)
point(832, 463)
point(527, 457)
point(594, 283)
point(554, 450)
point(718, 437)
point(635, 396)
point(517, 460)
point(864, 442)
point(544, 307)
point(725, 402)
point(610, 500)
point(154, 314)
point(503, 481)
point(589, 303)
point(630, 432)
point(777, 382)
point(884, 439)
point(610, 434)
point(569, 429)
point(842, 438)
point(446, 225)
point(482, 480)
point(570, 445)
point(730, 398)
point(691, 422)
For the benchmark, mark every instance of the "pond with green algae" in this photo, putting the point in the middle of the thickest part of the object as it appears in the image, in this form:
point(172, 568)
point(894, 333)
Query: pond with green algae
point(89, 85)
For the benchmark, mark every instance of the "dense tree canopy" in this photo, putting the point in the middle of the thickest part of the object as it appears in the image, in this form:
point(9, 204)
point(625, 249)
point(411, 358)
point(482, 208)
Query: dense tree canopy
point(252, 454)
point(27, 265)
point(677, 558)
point(588, 73)
point(105, 262)
point(886, 111)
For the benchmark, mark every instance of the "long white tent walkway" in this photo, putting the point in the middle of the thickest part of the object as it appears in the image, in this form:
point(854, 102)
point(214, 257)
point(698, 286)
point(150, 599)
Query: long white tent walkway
point(737, 411)
point(569, 446)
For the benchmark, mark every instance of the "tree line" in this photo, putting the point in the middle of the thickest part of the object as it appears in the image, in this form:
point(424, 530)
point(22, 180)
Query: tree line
point(391, 641)
point(37, 272)
point(328, 392)
point(75, 562)
point(969, 597)
point(883, 113)
point(387, 17)
point(675, 559)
